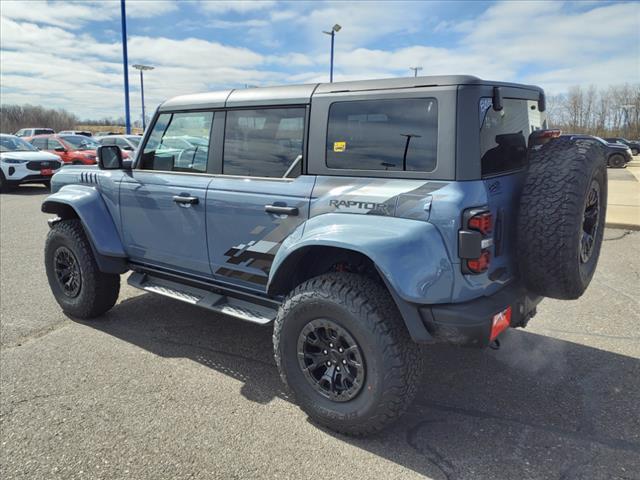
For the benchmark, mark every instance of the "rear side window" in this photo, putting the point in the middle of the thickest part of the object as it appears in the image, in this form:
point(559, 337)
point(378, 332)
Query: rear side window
point(504, 134)
point(383, 135)
point(179, 142)
point(264, 142)
point(42, 131)
point(40, 143)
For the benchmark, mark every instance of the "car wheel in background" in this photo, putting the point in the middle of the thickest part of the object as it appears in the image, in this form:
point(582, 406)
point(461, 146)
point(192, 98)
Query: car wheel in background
point(79, 287)
point(616, 161)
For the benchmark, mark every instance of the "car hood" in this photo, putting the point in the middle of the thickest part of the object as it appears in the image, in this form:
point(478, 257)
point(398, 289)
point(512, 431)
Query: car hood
point(31, 156)
point(617, 146)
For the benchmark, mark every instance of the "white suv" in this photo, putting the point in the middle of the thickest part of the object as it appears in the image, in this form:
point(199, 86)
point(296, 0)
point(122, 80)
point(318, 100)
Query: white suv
point(21, 162)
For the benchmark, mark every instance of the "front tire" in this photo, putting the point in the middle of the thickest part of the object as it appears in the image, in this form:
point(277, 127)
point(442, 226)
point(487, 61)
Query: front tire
point(79, 287)
point(616, 161)
point(342, 349)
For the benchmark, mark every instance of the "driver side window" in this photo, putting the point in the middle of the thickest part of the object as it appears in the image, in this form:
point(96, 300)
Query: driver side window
point(179, 142)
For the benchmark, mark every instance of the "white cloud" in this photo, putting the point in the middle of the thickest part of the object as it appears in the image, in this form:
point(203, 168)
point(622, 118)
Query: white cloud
point(48, 59)
point(73, 15)
point(238, 6)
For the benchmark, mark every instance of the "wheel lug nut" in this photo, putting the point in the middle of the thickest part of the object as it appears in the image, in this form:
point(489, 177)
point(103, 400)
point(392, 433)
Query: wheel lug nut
point(325, 352)
point(331, 345)
point(344, 362)
point(328, 363)
point(340, 350)
point(338, 368)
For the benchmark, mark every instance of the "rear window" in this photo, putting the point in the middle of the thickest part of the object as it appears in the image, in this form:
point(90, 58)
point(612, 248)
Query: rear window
point(504, 134)
point(42, 131)
point(398, 135)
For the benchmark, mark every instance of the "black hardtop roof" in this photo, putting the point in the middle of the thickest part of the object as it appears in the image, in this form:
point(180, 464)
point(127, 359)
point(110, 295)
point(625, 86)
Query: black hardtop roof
point(297, 94)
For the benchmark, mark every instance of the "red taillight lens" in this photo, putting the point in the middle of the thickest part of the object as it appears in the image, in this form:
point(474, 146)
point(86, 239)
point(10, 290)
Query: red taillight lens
point(481, 222)
point(501, 321)
point(481, 264)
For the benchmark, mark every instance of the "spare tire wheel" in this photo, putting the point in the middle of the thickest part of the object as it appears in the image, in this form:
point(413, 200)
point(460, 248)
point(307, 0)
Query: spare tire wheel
point(561, 217)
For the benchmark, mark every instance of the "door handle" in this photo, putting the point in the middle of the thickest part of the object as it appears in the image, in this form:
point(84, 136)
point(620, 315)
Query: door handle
point(281, 210)
point(179, 199)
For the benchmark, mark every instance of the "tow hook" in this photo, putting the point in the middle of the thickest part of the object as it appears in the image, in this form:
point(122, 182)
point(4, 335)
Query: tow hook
point(495, 345)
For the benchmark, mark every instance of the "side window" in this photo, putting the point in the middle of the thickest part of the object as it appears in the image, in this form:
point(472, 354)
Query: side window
point(504, 134)
point(39, 143)
point(122, 143)
point(263, 143)
point(52, 144)
point(179, 142)
point(108, 141)
point(397, 135)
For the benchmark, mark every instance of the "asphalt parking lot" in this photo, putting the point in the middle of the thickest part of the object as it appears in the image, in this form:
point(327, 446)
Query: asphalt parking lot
point(158, 389)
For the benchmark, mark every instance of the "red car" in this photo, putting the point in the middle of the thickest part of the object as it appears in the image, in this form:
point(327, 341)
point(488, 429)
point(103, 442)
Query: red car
point(74, 149)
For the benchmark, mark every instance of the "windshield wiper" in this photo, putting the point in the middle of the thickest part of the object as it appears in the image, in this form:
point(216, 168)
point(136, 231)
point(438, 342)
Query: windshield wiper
point(406, 147)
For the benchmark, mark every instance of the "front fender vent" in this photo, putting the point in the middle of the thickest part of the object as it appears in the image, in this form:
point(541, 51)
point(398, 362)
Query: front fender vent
point(89, 177)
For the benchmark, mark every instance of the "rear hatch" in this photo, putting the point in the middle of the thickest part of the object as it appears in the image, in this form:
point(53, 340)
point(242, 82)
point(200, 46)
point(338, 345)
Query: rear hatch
point(503, 151)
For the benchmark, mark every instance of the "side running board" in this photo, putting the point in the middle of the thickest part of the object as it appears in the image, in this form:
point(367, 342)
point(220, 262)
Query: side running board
point(233, 307)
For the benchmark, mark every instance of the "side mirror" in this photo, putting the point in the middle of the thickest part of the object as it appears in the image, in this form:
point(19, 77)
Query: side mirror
point(109, 157)
point(59, 149)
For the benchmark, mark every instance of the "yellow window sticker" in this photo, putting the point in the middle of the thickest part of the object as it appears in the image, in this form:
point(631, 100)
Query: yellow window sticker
point(339, 146)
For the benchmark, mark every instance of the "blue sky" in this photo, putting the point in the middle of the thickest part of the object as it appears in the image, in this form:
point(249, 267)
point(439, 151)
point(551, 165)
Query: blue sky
point(68, 54)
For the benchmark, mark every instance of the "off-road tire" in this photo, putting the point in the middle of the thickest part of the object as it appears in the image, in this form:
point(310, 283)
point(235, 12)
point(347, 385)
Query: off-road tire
point(392, 361)
point(559, 178)
point(616, 161)
point(98, 291)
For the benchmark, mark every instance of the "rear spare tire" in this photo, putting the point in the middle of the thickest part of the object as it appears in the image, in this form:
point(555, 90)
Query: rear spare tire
point(561, 217)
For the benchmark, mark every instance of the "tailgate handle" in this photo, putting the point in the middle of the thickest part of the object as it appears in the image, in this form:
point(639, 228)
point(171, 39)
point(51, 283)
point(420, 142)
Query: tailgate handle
point(281, 210)
point(185, 200)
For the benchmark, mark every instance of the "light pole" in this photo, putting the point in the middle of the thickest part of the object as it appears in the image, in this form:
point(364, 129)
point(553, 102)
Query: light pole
point(142, 68)
point(335, 29)
point(415, 70)
point(125, 62)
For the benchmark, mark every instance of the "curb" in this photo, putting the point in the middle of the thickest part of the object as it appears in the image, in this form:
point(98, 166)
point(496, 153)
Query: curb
point(623, 226)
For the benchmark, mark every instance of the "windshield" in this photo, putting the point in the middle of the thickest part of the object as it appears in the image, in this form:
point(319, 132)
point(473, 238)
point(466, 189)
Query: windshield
point(15, 144)
point(80, 142)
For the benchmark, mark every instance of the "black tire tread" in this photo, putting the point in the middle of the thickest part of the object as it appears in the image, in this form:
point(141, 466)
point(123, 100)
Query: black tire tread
point(370, 302)
point(101, 289)
point(550, 215)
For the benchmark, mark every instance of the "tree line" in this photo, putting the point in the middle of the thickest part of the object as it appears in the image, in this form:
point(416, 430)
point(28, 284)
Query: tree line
point(15, 117)
point(605, 112)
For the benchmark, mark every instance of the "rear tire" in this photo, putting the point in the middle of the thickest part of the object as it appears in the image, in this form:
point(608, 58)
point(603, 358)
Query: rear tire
point(616, 161)
point(79, 287)
point(561, 217)
point(367, 324)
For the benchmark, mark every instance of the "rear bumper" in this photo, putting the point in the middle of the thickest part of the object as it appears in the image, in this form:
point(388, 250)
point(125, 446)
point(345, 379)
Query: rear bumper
point(469, 323)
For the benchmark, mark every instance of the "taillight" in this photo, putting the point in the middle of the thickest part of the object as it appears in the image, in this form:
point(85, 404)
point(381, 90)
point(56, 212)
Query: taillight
point(481, 222)
point(474, 241)
point(480, 264)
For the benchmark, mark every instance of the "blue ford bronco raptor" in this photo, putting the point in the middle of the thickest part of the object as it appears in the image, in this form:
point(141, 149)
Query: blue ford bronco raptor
point(361, 218)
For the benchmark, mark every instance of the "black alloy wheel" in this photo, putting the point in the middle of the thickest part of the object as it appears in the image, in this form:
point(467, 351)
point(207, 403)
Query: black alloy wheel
point(67, 272)
point(590, 222)
point(331, 360)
